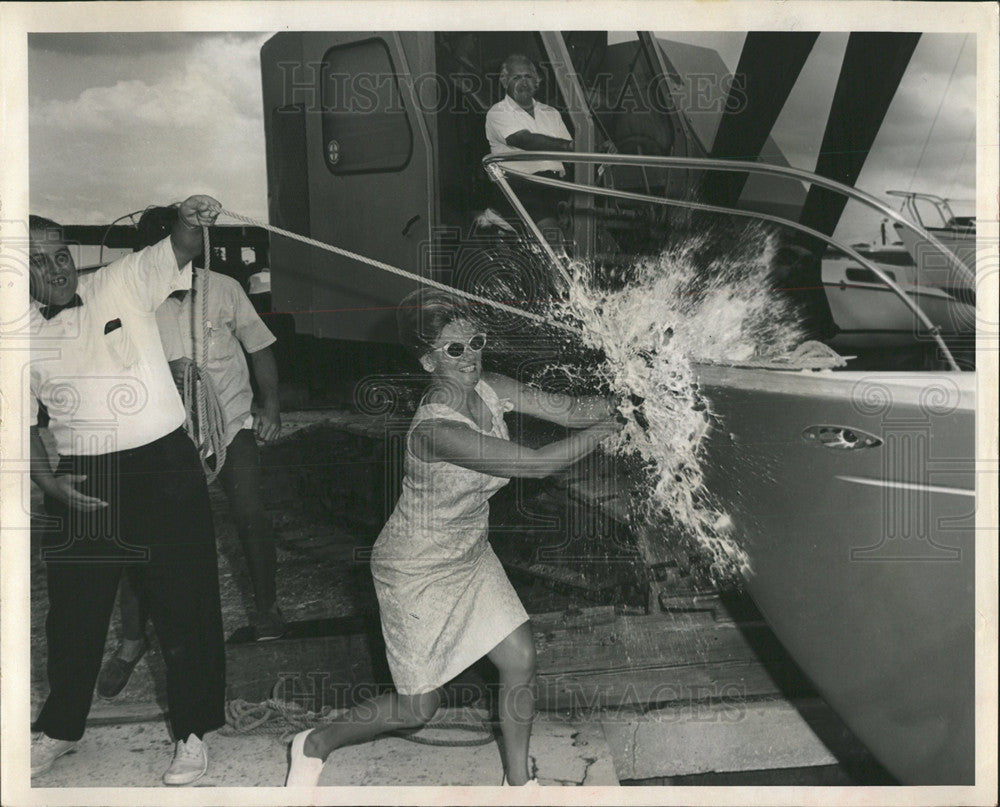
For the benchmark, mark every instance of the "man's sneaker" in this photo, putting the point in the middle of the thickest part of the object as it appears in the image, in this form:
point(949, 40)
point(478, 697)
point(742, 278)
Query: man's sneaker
point(116, 672)
point(269, 625)
point(45, 751)
point(190, 762)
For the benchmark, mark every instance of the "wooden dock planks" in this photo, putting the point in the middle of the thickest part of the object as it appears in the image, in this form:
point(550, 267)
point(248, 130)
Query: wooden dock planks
point(602, 660)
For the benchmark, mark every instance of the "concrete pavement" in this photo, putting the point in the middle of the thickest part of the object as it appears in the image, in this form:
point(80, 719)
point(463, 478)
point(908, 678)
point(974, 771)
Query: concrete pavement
point(566, 752)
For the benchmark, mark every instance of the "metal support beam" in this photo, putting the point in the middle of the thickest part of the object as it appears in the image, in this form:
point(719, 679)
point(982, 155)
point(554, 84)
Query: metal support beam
point(874, 64)
point(584, 134)
point(768, 68)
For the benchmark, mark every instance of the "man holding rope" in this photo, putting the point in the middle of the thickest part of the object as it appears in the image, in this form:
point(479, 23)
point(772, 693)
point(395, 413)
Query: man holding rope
point(231, 326)
point(129, 488)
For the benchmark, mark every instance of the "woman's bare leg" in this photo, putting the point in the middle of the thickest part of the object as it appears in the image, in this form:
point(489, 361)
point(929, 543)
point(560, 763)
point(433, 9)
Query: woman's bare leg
point(514, 657)
point(387, 712)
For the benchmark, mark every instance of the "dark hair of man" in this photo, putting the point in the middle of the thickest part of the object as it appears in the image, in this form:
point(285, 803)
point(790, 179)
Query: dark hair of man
point(49, 227)
point(154, 225)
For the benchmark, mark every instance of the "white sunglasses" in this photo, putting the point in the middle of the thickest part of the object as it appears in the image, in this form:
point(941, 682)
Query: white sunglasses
point(457, 349)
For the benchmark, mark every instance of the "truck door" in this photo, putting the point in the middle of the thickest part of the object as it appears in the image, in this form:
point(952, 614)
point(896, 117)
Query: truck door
point(367, 157)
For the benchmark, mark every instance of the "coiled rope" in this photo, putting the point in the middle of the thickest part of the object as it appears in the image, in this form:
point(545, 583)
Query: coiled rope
point(204, 420)
point(285, 719)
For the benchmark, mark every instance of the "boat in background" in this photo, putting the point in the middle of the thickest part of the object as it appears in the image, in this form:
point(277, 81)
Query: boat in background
point(868, 314)
point(956, 233)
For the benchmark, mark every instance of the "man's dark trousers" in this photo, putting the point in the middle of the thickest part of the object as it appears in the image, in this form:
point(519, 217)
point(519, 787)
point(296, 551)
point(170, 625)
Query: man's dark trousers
point(159, 522)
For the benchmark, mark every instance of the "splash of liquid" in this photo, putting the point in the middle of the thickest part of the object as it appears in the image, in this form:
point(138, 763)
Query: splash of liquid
point(675, 311)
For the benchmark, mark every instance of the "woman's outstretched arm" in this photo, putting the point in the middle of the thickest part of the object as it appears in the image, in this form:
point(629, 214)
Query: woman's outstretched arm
point(575, 412)
point(449, 441)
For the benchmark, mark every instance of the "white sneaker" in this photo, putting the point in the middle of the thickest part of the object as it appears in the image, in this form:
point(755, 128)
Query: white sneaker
point(189, 764)
point(45, 751)
point(303, 771)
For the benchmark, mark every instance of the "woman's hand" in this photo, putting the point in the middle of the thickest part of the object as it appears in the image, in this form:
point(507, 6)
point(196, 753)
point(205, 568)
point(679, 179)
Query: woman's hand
point(605, 428)
point(638, 412)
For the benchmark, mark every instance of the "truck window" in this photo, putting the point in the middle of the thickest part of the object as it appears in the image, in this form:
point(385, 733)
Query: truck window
point(365, 127)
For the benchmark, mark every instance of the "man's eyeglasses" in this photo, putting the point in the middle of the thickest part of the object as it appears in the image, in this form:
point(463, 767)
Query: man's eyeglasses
point(457, 349)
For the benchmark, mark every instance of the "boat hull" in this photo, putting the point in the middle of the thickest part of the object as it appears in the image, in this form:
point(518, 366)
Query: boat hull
point(931, 264)
point(869, 314)
point(862, 558)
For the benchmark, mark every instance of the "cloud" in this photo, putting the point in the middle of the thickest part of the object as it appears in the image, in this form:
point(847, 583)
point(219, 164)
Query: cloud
point(127, 44)
point(192, 125)
point(218, 79)
point(131, 119)
point(927, 142)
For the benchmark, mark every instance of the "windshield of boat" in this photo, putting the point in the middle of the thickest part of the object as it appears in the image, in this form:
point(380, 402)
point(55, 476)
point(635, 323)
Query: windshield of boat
point(935, 212)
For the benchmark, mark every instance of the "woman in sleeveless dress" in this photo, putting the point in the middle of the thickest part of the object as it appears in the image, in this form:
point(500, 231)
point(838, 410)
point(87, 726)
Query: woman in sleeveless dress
point(444, 599)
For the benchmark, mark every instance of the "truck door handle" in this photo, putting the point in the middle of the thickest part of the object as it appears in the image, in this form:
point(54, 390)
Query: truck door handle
point(840, 438)
point(409, 224)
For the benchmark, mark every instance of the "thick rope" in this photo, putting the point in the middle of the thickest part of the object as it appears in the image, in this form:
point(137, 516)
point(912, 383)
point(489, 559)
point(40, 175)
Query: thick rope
point(397, 271)
point(204, 420)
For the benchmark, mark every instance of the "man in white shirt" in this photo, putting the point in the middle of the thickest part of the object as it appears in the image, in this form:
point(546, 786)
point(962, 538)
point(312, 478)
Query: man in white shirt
point(230, 326)
point(520, 123)
point(128, 489)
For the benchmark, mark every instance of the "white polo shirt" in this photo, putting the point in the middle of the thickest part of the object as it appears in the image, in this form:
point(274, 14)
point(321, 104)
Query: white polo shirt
point(506, 117)
point(99, 368)
point(231, 326)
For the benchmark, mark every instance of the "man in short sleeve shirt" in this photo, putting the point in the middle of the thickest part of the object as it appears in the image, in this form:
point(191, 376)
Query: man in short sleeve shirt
point(520, 123)
point(232, 326)
point(128, 489)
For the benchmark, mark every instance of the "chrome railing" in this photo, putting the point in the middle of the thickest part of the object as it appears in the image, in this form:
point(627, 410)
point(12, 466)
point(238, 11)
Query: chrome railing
point(498, 167)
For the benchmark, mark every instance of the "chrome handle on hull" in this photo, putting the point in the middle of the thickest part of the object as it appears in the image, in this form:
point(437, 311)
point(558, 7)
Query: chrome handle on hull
point(840, 438)
point(332, 152)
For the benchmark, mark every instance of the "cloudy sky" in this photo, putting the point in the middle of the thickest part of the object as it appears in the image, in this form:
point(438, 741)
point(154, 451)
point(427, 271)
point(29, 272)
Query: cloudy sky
point(927, 141)
point(121, 121)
